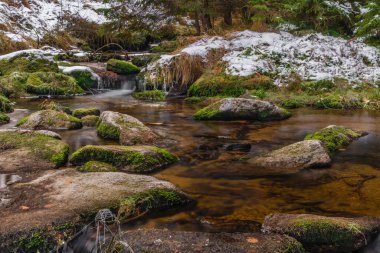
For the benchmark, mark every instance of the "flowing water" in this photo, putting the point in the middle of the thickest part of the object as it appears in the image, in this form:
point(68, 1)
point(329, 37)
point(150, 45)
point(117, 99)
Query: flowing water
point(215, 177)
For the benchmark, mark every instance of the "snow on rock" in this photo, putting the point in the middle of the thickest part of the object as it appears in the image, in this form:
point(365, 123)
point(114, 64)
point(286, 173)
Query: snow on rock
point(44, 52)
point(312, 57)
point(74, 69)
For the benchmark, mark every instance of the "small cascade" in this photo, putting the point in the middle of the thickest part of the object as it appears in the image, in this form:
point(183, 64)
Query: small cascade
point(122, 85)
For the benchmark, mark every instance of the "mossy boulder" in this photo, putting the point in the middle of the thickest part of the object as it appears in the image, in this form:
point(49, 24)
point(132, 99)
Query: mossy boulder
point(4, 119)
point(5, 104)
point(122, 67)
point(14, 85)
point(25, 150)
point(90, 121)
point(291, 159)
point(324, 234)
point(335, 137)
point(242, 109)
point(124, 128)
point(150, 95)
point(95, 166)
point(28, 65)
point(71, 199)
point(139, 159)
point(82, 112)
point(50, 120)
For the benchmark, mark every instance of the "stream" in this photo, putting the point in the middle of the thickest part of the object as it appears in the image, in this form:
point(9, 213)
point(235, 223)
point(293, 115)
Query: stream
point(211, 161)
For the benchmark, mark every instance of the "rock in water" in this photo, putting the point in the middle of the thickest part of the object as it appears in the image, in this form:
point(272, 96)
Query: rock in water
point(324, 234)
point(163, 241)
point(138, 159)
point(26, 150)
point(82, 112)
point(90, 121)
point(50, 120)
point(242, 109)
point(293, 158)
point(125, 129)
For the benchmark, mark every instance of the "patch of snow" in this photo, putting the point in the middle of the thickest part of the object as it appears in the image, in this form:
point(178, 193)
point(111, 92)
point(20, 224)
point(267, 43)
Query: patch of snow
point(345, 8)
point(46, 52)
point(14, 37)
point(312, 57)
point(74, 69)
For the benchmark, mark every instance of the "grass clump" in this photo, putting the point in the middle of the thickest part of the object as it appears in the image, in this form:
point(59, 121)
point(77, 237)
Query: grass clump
point(150, 95)
point(122, 67)
point(5, 104)
point(82, 112)
point(150, 201)
point(14, 85)
point(85, 79)
point(334, 137)
point(95, 166)
point(165, 46)
point(4, 119)
point(28, 65)
point(131, 159)
point(42, 146)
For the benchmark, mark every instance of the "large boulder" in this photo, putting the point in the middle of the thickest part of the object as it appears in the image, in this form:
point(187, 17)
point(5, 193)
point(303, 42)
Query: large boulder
point(242, 109)
point(124, 128)
point(335, 137)
point(292, 158)
point(163, 241)
point(138, 159)
point(324, 234)
point(50, 120)
point(45, 208)
point(26, 151)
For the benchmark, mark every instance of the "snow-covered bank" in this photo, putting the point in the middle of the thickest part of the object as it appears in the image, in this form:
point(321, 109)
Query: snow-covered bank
point(46, 52)
point(312, 57)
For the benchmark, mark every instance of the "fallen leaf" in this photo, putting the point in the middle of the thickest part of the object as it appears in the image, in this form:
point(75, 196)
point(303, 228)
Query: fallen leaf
point(24, 208)
point(252, 240)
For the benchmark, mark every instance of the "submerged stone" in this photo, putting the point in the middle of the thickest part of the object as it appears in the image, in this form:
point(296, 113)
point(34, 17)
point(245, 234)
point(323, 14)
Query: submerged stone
point(242, 109)
point(324, 234)
point(292, 158)
point(139, 159)
point(82, 112)
point(124, 128)
point(24, 150)
point(335, 137)
point(49, 120)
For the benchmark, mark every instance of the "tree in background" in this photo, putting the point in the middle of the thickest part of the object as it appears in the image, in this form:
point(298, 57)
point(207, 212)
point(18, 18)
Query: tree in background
point(370, 23)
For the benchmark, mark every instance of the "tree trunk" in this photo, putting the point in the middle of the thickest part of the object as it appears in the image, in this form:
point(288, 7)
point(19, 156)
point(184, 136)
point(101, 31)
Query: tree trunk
point(197, 24)
point(228, 17)
point(207, 24)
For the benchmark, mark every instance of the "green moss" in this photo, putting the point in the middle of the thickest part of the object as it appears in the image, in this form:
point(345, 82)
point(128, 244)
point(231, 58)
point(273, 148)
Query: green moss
point(122, 67)
point(152, 200)
point(165, 47)
point(4, 119)
point(134, 158)
point(14, 85)
point(317, 87)
point(29, 65)
point(90, 121)
point(293, 246)
point(50, 83)
point(51, 149)
point(84, 79)
point(79, 113)
point(5, 104)
point(95, 166)
point(195, 100)
point(334, 137)
point(207, 112)
point(150, 95)
point(22, 121)
point(107, 131)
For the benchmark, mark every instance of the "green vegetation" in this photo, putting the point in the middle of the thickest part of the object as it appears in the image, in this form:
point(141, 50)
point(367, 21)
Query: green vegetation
point(51, 149)
point(85, 80)
point(4, 119)
point(150, 95)
point(95, 166)
point(108, 131)
point(334, 137)
point(207, 112)
point(28, 65)
point(5, 104)
point(134, 158)
point(90, 121)
point(151, 200)
point(82, 112)
point(48, 104)
point(122, 67)
point(50, 119)
point(14, 85)
point(165, 47)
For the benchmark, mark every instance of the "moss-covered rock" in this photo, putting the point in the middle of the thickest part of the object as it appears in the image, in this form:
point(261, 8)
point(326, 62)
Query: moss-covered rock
point(324, 234)
point(85, 79)
point(242, 109)
point(150, 95)
point(140, 159)
point(49, 120)
point(90, 121)
point(14, 85)
point(28, 65)
point(122, 67)
point(95, 166)
point(150, 201)
point(38, 150)
point(48, 104)
point(291, 159)
point(335, 137)
point(4, 119)
point(124, 128)
point(5, 104)
point(82, 112)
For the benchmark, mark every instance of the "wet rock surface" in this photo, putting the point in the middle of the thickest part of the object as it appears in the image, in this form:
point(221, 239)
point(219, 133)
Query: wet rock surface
point(324, 234)
point(125, 129)
point(242, 109)
point(165, 241)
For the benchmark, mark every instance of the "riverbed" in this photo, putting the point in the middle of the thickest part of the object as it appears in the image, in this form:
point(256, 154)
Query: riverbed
point(215, 176)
